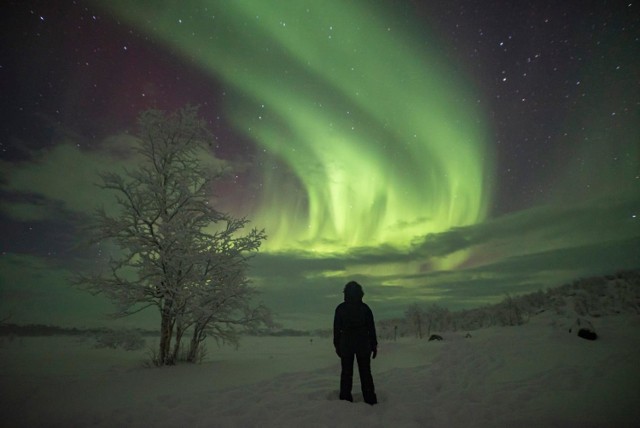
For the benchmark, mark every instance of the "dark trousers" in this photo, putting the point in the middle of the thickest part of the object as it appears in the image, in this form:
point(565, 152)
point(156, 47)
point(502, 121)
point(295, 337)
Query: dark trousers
point(366, 380)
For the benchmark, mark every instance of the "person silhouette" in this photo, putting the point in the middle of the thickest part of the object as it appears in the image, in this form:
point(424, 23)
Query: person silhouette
point(354, 335)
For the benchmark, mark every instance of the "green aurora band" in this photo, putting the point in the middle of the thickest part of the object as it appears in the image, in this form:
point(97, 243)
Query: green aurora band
point(367, 135)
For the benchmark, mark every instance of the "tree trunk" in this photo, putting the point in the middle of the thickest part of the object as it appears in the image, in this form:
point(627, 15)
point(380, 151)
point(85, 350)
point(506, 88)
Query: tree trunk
point(166, 331)
point(176, 347)
point(196, 339)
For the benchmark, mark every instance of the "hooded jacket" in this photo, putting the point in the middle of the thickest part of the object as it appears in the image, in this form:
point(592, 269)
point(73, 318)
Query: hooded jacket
point(354, 329)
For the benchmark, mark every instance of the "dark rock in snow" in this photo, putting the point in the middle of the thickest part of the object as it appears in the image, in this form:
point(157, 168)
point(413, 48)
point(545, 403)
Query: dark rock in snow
point(584, 329)
point(435, 337)
point(587, 334)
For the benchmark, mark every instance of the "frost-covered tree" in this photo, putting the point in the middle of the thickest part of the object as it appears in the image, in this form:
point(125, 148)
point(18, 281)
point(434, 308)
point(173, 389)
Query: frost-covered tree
point(415, 318)
point(509, 312)
point(178, 253)
point(434, 318)
point(218, 303)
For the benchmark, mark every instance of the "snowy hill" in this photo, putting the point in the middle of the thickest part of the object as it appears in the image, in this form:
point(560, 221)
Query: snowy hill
point(591, 297)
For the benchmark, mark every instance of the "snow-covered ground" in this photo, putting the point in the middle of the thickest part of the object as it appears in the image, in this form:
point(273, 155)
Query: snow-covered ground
point(535, 375)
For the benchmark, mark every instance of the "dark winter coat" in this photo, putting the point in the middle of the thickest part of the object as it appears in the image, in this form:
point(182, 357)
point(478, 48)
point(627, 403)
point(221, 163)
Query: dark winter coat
point(353, 328)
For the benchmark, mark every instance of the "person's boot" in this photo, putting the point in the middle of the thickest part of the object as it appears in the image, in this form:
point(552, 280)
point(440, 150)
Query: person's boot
point(346, 397)
point(370, 398)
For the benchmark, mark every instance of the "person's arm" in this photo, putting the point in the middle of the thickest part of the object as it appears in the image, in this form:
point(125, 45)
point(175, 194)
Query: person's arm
point(337, 328)
point(371, 328)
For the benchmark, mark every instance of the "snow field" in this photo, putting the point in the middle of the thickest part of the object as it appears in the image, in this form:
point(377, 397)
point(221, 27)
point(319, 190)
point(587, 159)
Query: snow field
point(535, 375)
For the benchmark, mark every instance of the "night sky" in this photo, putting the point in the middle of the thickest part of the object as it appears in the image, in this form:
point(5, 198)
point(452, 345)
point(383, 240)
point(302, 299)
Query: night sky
point(442, 152)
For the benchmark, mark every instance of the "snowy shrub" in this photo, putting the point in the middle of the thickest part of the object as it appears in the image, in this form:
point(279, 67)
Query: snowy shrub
point(508, 312)
point(127, 339)
point(188, 355)
point(153, 356)
point(582, 303)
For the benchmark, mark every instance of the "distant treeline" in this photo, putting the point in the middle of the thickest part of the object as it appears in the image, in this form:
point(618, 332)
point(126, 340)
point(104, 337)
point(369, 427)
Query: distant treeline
point(290, 332)
point(592, 297)
point(39, 330)
point(8, 329)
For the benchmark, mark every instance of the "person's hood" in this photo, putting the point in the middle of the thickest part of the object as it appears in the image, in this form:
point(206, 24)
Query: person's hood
point(353, 292)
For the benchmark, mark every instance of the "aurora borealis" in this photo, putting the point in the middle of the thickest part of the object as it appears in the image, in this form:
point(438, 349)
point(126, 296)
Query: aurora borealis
point(376, 156)
point(436, 153)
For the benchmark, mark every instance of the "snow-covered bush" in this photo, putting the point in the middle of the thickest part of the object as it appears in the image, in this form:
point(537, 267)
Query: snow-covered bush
point(127, 339)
